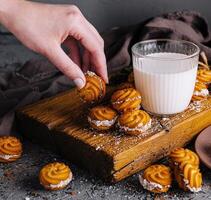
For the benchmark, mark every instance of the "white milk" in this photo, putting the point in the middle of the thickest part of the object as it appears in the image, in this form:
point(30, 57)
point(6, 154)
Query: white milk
point(166, 81)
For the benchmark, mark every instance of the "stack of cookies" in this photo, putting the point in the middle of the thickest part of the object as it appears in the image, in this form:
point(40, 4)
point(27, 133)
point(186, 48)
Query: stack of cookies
point(184, 166)
point(124, 110)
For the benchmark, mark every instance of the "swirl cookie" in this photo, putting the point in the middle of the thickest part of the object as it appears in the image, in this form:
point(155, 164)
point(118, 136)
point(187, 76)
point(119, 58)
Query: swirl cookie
point(200, 92)
point(180, 157)
point(188, 177)
point(10, 149)
point(134, 122)
point(204, 76)
point(126, 99)
point(94, 90)
point(102, 117)
point(156, 178)
point(55, 176)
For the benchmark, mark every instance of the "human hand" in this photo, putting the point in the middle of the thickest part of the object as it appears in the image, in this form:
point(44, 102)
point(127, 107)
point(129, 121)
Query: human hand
point(44, 27)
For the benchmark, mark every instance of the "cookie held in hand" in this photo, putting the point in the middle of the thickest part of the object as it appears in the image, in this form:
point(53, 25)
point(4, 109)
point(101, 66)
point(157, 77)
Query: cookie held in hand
point(134, 122)
point(126, 99)
point(94, 90)
point(55, 176)
point(10, 149)
point(102, 117)
point(156, 178)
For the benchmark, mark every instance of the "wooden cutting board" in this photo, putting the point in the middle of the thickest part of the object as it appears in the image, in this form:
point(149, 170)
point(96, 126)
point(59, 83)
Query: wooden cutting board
point(60, 123)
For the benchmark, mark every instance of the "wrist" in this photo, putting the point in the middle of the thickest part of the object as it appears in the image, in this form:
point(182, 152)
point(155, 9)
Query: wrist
point(8, 7)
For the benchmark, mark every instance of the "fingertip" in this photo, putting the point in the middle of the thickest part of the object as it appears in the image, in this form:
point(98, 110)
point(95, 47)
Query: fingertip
point(104, 74)
point(60, 59)
point(79, 82)
point(105, 77)
point(100, 67)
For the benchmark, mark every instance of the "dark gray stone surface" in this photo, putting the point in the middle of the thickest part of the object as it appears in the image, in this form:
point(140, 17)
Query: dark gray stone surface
point(19, 181)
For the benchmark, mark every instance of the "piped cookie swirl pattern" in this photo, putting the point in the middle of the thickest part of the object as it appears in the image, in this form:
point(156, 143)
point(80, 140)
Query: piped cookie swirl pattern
point(126, 99)
point(189, 178)
point(102, 117)
point(156, 178)
point(10, 149)
point(204, 75)
point(94, 90)
point(55, 176)
point(134, 122)
point(181, 156)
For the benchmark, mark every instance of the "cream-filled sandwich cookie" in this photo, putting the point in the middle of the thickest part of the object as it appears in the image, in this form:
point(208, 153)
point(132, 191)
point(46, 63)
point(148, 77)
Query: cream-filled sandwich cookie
point(200, 92)
point(94, 90)
point(55, 176)
point(10, 149)
point(156, 178)
point(134, 122)
point(126, 99)
point(102, 117)
point(188, 177)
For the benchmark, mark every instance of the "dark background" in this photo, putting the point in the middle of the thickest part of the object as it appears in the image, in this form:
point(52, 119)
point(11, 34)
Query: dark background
point(108, 13)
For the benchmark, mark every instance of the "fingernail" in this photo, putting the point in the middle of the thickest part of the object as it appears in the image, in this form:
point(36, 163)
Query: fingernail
point(79, 83)
point(107, 81)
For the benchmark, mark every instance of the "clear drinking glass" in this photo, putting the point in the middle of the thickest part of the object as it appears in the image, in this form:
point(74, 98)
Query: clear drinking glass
point(165, 74)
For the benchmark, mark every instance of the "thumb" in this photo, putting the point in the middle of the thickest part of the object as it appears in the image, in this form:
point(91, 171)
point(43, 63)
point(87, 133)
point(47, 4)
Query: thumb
point(63, 62)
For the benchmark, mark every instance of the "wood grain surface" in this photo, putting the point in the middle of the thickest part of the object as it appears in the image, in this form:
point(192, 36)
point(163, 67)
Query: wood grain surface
point(60, 123)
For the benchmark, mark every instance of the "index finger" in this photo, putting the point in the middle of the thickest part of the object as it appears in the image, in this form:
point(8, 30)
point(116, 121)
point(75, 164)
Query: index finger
point(82, 32)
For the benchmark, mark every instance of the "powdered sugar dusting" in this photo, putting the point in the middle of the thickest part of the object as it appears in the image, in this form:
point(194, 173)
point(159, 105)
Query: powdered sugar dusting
point(7, 157)
point(203, 92)
point(102, 122)
point(192, 189)
point(61, 184)
point(150, 185)
point(140, 127)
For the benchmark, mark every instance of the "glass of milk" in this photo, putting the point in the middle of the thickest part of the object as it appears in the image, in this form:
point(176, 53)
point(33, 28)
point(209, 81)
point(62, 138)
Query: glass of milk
point(165, 74)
